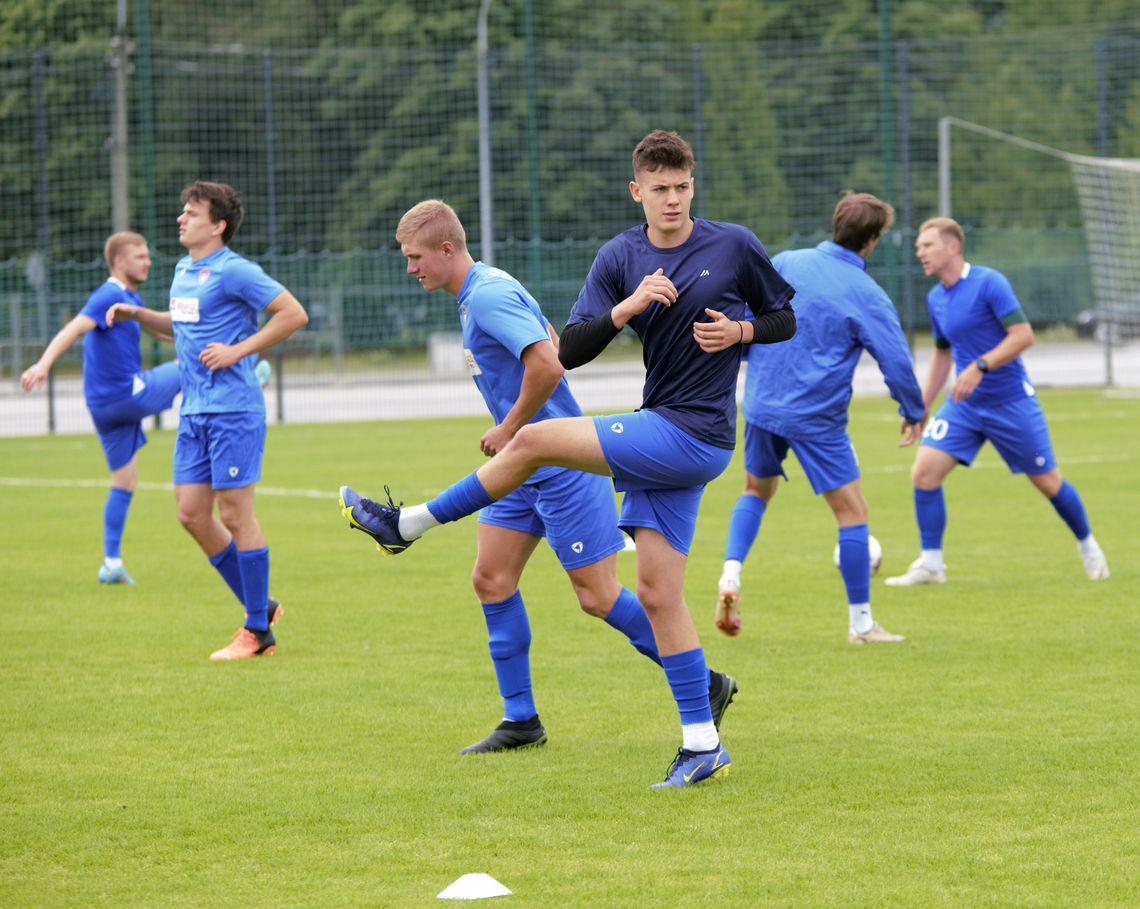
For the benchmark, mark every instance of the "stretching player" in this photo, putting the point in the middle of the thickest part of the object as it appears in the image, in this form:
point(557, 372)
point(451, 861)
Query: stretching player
point(118, 393)
point(511, 353)
point(978, 321)
point(684, 286)
point(215, 299)
point(797, 395)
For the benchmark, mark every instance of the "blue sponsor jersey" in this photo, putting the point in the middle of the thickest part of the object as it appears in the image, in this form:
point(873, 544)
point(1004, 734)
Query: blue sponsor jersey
point(500, 320)
point(968, 316)
point(218, 298)
point(802, 387)
point(111, 357)
point(720, 266)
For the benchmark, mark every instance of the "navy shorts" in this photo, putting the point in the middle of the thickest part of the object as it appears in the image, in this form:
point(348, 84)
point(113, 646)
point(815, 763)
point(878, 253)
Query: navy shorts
point(222, 449)
point(1017, 430)
point(662, 470)
point(575, 511)
point(828, 461)
point(119, 425)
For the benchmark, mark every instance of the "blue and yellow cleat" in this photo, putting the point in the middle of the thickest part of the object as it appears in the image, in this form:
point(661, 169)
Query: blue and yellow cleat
point(692, 767)
point(117, 575)
point(379, 521)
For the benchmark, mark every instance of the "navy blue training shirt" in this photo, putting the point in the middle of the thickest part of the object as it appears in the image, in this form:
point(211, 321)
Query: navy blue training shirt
point(721, 266)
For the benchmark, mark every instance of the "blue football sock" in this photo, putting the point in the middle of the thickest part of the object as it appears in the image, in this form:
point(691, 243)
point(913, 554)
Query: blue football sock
point(930, 512)
point(254, 566)
point(743, 526)
point(688, 677)
point(114, 520)
point(628, 616)
point(1071, 509)
point(855, 563)
point(226, 562)
point(508, 633)
point(459, 500)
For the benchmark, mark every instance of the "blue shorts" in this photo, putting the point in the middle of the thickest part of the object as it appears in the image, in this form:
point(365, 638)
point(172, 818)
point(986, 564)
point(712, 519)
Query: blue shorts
point(661, 469)
point(574, 510)
point(222, 449)
point(828, 461)
point(119, 425)
point(1017, 430)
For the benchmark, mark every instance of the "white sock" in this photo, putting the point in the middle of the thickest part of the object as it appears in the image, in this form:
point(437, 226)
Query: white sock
point(112, 563)
point(731, 571)
point(699, 736)
point(415, 521)
point(1088, 545)
point(932, 559)
point(861, 620)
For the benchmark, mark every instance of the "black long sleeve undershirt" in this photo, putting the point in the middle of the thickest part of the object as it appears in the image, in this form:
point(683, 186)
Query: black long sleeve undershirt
point(583, 341)
point(777, 325)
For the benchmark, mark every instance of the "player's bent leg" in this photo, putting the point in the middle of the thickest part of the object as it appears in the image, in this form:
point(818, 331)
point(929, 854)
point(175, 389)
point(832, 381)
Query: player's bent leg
point(565, 442)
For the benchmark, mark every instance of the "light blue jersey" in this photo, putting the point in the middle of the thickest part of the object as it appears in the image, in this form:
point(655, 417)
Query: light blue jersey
point(500, 320)
point(111, 356)
point(218, 298)
point(802, 387)
point(970, 316)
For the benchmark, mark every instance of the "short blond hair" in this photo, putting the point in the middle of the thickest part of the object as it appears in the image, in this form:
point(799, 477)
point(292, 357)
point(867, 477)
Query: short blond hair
point(117, 242)
point(947, 227)
point(433, 223)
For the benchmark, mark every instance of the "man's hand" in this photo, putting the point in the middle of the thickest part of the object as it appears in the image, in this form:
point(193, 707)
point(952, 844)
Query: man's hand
point(218, 356)
point(911, 432)
point(495, 440)
point(34, 375)
point(654, 288)
point(966, 382)
point(122, 312)
point(719, 334)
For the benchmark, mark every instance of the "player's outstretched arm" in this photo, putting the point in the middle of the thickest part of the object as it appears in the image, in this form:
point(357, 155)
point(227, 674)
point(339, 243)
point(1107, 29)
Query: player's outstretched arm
point(152, 322)
point(37, 373)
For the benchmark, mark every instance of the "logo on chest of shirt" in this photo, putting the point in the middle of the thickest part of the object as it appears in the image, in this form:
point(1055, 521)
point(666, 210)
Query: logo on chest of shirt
point(463, 313)
point(704, 273)
point(203, 275)
point(184, 309)
point(470, 364)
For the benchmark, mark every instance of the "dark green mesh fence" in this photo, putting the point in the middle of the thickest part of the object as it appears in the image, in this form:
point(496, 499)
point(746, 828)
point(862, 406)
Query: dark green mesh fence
point(331, 145)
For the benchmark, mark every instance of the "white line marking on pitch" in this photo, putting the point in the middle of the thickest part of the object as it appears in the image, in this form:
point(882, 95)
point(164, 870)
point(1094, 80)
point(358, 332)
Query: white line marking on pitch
point(161, 487)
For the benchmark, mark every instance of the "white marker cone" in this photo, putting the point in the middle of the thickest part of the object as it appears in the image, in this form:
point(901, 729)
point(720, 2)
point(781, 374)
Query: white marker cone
point(473, 887)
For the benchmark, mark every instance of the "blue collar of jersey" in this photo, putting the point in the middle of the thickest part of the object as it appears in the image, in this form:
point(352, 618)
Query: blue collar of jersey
point(842, 252)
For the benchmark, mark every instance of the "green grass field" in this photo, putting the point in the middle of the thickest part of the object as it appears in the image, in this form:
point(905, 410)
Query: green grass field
point(990, 761)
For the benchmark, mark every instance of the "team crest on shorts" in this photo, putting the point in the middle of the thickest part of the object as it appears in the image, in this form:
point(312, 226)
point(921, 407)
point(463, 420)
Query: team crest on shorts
point(577, 546)
point(617, 427)
point(233, 471)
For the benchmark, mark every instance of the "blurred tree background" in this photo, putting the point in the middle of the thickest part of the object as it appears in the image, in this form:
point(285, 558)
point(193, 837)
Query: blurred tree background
point(334, 116)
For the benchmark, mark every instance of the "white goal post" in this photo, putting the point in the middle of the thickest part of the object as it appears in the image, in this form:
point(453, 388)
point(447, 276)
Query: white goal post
point(1108, 190)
